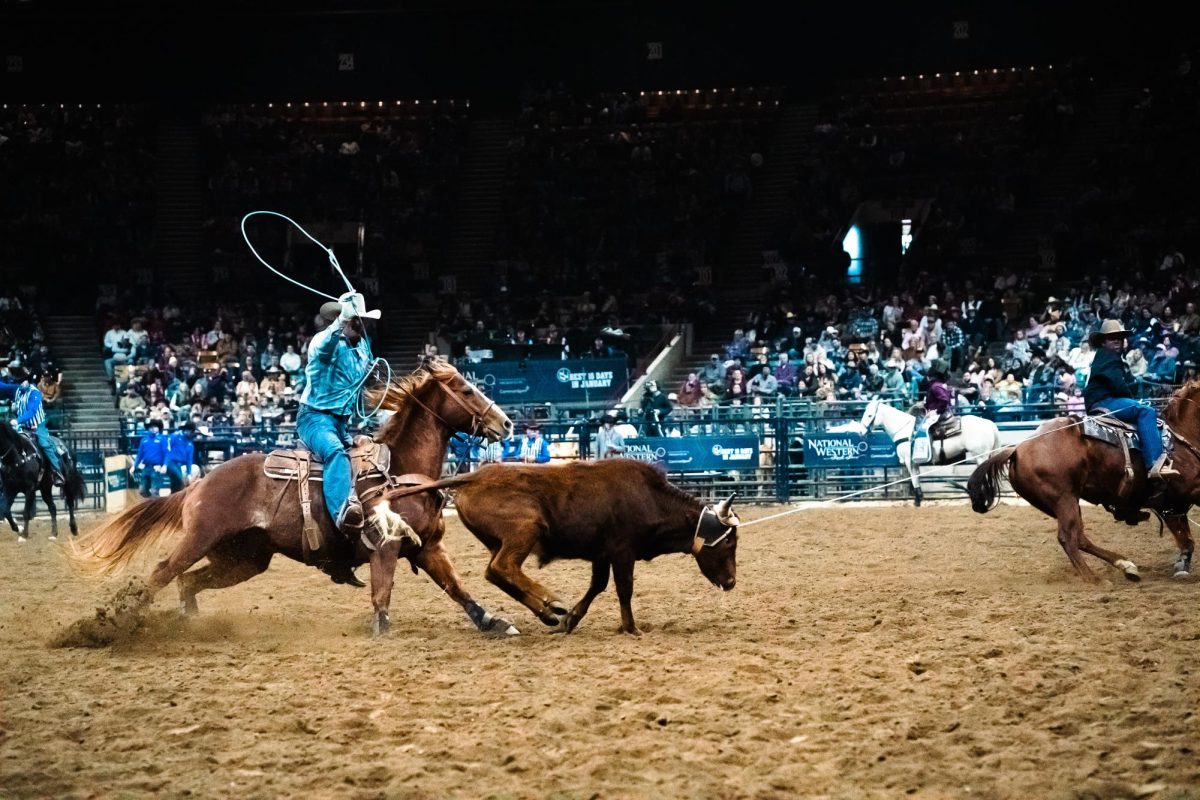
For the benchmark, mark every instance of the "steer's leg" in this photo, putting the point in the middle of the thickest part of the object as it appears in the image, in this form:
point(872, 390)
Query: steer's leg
point(505, 571)
point(600, 570)
point(623, 578)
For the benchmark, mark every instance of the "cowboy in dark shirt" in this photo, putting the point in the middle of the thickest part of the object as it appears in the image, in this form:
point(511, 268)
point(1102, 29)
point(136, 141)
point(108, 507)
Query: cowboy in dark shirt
point(1111, 388)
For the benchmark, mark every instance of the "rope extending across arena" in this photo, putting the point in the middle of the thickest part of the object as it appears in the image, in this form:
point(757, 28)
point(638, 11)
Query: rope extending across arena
point(932, 472)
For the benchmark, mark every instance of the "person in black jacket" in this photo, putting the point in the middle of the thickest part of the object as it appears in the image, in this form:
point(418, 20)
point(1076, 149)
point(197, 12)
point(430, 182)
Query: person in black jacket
point(1111, 389)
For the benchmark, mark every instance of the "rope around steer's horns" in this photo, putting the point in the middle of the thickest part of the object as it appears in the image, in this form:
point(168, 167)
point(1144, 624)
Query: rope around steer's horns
point(932, 472)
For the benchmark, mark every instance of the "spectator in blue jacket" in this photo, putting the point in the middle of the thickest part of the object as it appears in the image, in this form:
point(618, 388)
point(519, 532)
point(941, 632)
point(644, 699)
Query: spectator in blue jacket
point(151, 455)
point(31, 416)
point(180, 455)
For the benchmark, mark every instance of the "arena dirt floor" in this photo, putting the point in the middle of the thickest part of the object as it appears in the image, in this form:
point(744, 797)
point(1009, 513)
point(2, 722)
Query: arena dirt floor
point(866, 652)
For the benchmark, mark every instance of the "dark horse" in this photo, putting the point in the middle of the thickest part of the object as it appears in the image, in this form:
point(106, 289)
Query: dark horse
point(23, 471)
point(239, 519)
point(611, 513)
point(1059, 466)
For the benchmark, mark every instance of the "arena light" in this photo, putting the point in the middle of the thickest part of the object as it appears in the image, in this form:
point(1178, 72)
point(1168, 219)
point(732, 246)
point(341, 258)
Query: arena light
point(660, 92)
point(344, 104)
point(903, 78)
point(306, 104)
point(435, 102)
point(957, 74)
point(994, 70)
point(678, 92)
point(362, 104)
point(270, 105)
point(920, 77)
point(289, 105)
point(937, 74)
point(1031, 69)
point(380, 104)
point(697, 91)
point(976, 72)
point(416, 102)
point(641, 94)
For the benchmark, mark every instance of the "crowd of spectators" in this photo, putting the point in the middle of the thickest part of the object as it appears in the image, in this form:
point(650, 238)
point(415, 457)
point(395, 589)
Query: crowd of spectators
point(78, 189)
point(23, 344)
point(1006, 338)
point(614, 206)
point(235, 365)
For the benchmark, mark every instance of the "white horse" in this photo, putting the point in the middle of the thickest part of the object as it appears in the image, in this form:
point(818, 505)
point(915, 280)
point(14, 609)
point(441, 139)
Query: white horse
point(979, 437)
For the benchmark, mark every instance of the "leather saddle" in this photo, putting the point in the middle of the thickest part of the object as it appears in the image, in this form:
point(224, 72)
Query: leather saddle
point(946, 428)
point(365, 455)
point(370, 462)
point(1113, 431)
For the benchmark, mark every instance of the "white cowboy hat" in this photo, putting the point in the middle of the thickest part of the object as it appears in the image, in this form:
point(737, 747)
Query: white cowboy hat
point(356, 304)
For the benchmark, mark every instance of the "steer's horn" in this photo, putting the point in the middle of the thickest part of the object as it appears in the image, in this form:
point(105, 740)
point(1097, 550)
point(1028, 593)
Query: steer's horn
point(724, 511)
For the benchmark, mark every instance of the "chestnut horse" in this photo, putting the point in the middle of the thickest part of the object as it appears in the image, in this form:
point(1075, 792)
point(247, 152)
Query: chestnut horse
point(239, 519)
point(1059, 466)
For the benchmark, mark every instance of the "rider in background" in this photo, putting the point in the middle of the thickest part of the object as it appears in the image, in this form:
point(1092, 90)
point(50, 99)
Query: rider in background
point(1112, 388)
point(939, 398)
point(31, 416)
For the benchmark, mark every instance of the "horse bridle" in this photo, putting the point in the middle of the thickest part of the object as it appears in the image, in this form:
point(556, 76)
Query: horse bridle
point(476, 417)
point(874, 416)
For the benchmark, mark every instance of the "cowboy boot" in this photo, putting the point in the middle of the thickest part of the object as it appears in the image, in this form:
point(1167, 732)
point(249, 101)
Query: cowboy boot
point(350, 520)
point(342, 572)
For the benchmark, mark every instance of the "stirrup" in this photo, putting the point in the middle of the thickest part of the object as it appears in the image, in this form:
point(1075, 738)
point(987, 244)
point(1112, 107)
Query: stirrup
point(1162, 468)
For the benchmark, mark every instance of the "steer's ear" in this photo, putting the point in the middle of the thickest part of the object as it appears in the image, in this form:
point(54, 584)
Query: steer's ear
point(725, 512)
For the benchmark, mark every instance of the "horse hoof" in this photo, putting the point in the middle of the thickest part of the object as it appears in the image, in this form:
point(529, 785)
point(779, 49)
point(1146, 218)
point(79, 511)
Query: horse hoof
point(1182, 574)
point(380, 625)
point(1131, 570)
point(52, 538)
point(22, 539)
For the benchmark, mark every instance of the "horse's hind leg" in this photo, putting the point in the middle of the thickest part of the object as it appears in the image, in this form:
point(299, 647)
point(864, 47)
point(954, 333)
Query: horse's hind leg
point(1115, 559)
point(27, 515)
point(1070, 535)
point(223, 569)
point(48, 497)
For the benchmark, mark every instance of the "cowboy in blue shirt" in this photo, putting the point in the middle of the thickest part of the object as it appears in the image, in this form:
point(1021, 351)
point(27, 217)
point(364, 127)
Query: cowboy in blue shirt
point(339, 361)
point(180, 455)
point(151, 455)
point(31, 416)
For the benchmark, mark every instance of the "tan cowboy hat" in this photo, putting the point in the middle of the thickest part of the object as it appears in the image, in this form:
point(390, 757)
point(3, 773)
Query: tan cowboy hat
point(1110, 328)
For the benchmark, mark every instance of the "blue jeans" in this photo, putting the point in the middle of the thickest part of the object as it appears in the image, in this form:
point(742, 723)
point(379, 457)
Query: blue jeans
point(1145, 419)
point(325, 435)
point(48, 449)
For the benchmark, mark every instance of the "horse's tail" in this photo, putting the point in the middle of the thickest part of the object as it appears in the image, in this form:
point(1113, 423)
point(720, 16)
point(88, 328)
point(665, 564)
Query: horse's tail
point(107, 550)
point(76, 488)
point(444, 483)
point(984, 483)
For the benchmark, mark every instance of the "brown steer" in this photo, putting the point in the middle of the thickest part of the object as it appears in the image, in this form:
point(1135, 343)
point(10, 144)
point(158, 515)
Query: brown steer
point(611, 513)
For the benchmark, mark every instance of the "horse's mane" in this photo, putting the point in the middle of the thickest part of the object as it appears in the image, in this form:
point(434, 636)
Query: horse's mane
point(1186, 392)
point(396, 395)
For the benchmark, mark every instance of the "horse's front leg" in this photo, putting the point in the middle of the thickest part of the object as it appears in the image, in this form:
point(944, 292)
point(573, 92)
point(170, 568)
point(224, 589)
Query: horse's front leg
point(383, 577)
point(905, 453)
point(1182, 532)
point(435, 562)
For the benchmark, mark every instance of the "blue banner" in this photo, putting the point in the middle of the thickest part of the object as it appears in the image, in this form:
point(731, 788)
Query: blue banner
point(580, 380)
point(696, 453)
point(849, 450)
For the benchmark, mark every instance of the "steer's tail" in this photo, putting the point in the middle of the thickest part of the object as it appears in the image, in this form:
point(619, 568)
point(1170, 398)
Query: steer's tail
point(984, 483)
